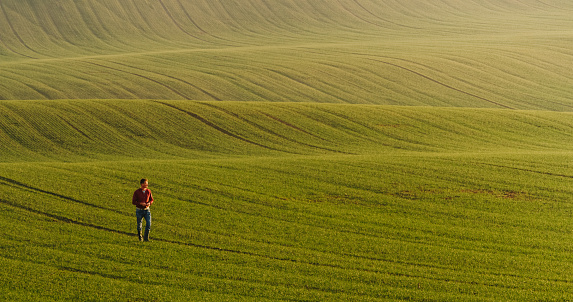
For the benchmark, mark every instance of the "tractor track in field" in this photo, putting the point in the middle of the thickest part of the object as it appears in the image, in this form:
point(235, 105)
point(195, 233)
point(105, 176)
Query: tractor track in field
point(305, 84)
point(409, 70)
point(441, 83)
point(284, 259)
point(175, 78)
point(23, 186)
point(216, 127)
point(274, 133)
point(12, 50)
point(275, 258)
point(62, 218)
point(170, 15)
point(194, 23)
point(359, 17)
point(528, 170)
point(31, 86)
point(203, 32)
point(378, 17)
point(141, 76)
point(104, 30)
point(63, 267)
point(15, 32)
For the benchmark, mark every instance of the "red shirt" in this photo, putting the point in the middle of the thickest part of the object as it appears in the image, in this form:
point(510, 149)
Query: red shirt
point(140, 199)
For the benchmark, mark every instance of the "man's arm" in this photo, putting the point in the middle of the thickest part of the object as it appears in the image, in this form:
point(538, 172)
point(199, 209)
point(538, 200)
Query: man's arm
point(150, 200)
point(134, 199)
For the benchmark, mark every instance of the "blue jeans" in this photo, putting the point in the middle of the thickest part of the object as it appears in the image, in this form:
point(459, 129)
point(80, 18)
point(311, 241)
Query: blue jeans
point(139, 213)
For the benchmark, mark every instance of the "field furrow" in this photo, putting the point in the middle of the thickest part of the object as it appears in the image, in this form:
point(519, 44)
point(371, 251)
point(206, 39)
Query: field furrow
point(216, 43)
point(345, 238)
point(297, 150)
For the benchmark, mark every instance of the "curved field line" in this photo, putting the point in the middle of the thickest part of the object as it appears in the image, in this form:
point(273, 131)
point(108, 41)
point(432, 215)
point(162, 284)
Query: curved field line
point(179, 25)
point(141, 76)
point(76, 128)
point(174, 78)
point(12, 50)
point(25, 83)
point(287, 26)
point(318, 13)
point(55, 31)
point(377, 17)
point(542, 63)
point(293, 126)
point(195, 23)
point(260, 91)
point(359, 17)
point(101, 83)
point(291, 260)
point(358, 256)
point(284, 74)
point(64, 219)
point(529, 170)
point(349, 120)
point(314, 263)
point(105, 28)
point(440, 83)
point(102, 29)
point(202, 246)
point(512, 76)
point(264, 129)
point(15, 32)
point(214, 126)
point(362, 69)
point(549, 5)
point(26, 187)
point(241, 28)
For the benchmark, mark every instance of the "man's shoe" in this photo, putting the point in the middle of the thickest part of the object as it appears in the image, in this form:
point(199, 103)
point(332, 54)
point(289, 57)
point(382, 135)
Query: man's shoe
point(146, 236)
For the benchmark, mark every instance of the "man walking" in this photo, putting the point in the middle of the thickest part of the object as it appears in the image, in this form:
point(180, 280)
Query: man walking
point(142, 199)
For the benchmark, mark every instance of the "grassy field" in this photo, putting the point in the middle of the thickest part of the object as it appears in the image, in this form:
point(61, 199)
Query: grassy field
point(376, 227)
point(82, 130)
point(284, 201)
point(347, 150)
point(507, 54)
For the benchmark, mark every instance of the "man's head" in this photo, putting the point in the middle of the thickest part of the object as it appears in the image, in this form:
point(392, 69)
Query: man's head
point(143, 182)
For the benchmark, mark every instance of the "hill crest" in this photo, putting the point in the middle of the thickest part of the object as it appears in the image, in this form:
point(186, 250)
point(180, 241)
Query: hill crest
point(502, 54)
point(123, 129)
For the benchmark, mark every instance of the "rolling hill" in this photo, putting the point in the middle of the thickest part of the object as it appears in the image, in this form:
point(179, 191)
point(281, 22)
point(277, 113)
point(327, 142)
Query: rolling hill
point(88, 130)
point(496, 54)
point(298, 150)
point(267, 201)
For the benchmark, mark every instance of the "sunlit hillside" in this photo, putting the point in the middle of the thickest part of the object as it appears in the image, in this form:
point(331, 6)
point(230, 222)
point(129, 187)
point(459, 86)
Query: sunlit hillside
point(498, 54)
point(297, 150)
point(32, 131)
point(261, 201)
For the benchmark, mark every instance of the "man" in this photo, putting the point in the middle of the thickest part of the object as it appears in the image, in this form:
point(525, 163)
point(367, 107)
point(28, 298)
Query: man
point(142, 199)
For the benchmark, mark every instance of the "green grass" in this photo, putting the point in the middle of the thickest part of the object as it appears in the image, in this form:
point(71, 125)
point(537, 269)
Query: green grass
point(367, 150)
point(442, 53)
point(81, 130)
point(301, 228)
point(284, 201)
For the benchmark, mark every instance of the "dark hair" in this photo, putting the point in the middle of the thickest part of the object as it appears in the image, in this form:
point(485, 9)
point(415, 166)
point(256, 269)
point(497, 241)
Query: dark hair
point(142, 181)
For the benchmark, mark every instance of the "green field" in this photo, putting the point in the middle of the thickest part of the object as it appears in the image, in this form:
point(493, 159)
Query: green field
point(368, 150)
point(498, 54)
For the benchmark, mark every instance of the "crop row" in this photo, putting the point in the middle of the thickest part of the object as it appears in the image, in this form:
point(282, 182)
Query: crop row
point(457, 227)
point(40, 30)
point(479, 54)
point(109, 130)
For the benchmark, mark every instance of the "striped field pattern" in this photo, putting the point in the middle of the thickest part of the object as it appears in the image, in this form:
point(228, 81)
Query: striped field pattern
point(298, 150)
point(284, 201)
point(498, 54)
